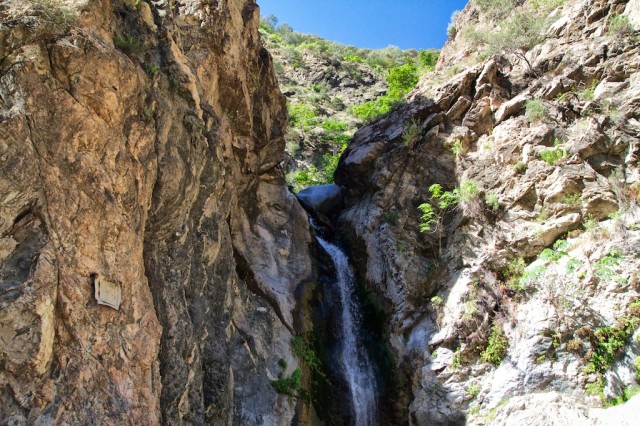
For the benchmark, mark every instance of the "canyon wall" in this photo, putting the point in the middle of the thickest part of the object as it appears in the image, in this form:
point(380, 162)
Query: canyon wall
point(140, 149)
point(511, 289)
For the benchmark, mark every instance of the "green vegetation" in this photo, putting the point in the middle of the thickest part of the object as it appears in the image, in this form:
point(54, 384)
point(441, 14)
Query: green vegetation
point(57, 16)
point(495, 8)
point(518, 278)
point(607, 342)
point(312, 175)
point(411, 134)
point(431, 218)
point(518, 27)
point(492, 201)
point(558, 251)
point(456, 361)
point(627, 393)
point(437, 301)
point(473, 389)
point(588, 94)
point(128, 44)
point(619, 24)
point(371, 110)
point(604, 267)
point(574, 200)
point(316, 136)
point(496, 348)
point(456, 148)
point(291, 385)
point(553, 155)
point(401, 80)
point(520, 167)
point(151, 69)
point(307, 354)
point(302, 115)
point(535, 110)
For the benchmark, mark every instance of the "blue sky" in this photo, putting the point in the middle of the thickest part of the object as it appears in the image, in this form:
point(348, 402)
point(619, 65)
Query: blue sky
point(374, 24)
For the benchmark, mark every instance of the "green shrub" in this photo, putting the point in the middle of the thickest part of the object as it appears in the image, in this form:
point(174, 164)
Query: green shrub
point(372, 110)
point(627, 393)
point(607, 342)
point(401, 80)
point(496, 348)
point(619, 24)
point(574, 200)
point(492, 201)
point(151, 69)
point(518, 34)
point(304, 178)
point(307, 354)
point(456, 148)
point(451, 31)
point(588, 94)
point(411, 134)
point(429, 218)
point(495, 8)
point(302, 115)
point(427, 59)
point(456, 361)
point(289, 386)
point(604, 266)
point(128, 44)
point(57, 16)
point(444, 200)
point(333, 125)
point(329, 166)
point(636, 364)
point(553, 155)
point(468, 191)
point(438, 302)
point(535, 110)
point(473, 389)
point(520, 167)
point(513, 272)
point(559, 251)
point(353, 59)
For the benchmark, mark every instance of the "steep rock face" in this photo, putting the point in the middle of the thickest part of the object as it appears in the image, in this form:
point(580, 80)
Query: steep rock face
point(131, 134)
point(447, 289)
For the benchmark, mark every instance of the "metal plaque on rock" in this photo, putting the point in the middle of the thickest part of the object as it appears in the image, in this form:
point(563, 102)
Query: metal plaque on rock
point(108, 293)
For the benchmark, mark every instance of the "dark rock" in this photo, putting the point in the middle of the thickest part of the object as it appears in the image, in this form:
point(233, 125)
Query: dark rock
point(322, 200)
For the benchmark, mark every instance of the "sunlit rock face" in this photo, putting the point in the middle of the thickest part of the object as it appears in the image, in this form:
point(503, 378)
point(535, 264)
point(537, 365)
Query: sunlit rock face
point(139, 147)
point(540, 154)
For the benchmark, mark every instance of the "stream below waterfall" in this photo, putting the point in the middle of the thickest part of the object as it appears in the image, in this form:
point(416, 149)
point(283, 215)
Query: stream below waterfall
point(356, 365)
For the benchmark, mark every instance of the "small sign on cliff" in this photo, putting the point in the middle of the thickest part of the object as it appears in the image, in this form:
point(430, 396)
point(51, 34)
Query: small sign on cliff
point(107, 293)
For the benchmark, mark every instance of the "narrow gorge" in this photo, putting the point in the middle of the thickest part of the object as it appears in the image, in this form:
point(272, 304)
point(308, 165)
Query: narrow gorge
point(467, 253)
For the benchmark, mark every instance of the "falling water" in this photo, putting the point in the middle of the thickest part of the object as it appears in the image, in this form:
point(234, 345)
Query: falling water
point(355, 361)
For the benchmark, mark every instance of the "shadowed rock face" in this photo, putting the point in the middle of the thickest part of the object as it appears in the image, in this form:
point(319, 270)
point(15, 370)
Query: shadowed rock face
point(322, 200)
point(445, 289)
point(142, 145)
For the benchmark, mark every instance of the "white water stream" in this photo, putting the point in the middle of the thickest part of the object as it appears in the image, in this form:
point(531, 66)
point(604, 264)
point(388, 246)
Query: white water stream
point(356, 364)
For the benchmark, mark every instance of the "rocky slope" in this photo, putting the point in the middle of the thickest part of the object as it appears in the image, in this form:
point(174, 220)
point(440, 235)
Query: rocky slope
point(149, 246)
point(325, 83)
point(519, 298)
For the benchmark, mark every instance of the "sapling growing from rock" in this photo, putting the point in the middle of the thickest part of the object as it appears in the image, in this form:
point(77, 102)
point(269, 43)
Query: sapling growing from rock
point(496, 348)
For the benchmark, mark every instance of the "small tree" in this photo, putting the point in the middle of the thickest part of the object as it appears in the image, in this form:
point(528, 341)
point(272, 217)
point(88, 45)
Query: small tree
point(401, 80)
point(518, 34)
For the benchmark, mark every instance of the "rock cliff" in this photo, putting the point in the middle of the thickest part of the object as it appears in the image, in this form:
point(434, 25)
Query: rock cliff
point(151, 253)
point(496, 216)
point(149, 246)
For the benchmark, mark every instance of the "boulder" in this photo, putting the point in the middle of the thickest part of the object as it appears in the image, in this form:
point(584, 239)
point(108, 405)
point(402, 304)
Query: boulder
point(322, 200)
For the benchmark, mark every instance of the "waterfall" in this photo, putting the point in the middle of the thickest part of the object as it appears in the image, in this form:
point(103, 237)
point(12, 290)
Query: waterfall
point(355, 362)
